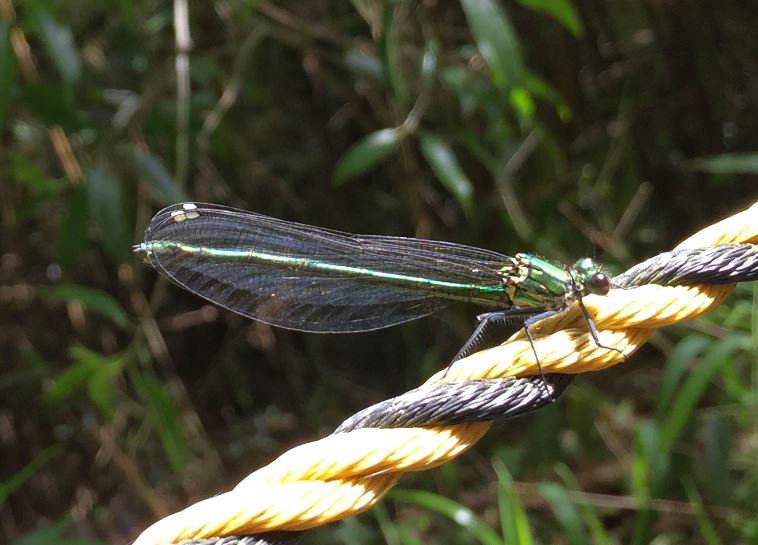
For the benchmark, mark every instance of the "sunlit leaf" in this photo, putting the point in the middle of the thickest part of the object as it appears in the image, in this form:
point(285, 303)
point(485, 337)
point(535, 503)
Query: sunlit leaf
point(523, 103)
point(158, 177)
point(448, 170)
point(727, 163)
point(513, 520)
point(560, 10)
point(367, 153)
point(430, 60)
point(59, 43)
point(496, 40)
point(92, 299)
point(107, 207)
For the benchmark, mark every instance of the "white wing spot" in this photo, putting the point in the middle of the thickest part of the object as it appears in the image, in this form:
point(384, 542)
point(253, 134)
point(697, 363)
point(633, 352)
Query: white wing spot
point(179, 215)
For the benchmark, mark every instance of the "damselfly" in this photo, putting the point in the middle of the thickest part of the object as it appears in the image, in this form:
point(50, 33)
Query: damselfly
point(311, 279)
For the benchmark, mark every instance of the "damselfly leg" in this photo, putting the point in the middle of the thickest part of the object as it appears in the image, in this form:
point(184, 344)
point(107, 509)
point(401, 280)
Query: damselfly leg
point(493, 326)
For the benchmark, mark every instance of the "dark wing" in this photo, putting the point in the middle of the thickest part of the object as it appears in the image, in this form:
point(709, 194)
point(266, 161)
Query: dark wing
point(302, 277)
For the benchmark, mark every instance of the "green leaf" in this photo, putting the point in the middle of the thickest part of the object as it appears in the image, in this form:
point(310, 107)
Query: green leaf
point(72, 230)
point(708, 530)
point(693, 389)
point(644, 450)
point(496, 40)
point(54, 534)
point(16, 481)
point(560, 10)
point(48, 102)
point(430, 61)
point(100, 385)
point(391, 57)
point(448, 170)
point(719, 445)
point(165, 419)
point(90, 369)
point(108, 208)
point(588, 512)
point(28, 174)
point(158, 177)
point(513, 520)
point(367, 153)
point(59, 43)
point(74, 377)
point(565, 512)
point(539, 88)
point(365, 64)
point(92, 299)
point(523, 103)
point(676, 367)
point(727, 163)
point(645, 466)
point(7, 71)
point(451, 509)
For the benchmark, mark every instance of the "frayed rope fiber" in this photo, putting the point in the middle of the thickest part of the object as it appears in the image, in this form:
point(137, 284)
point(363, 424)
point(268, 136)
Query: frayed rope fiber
point(348, 471)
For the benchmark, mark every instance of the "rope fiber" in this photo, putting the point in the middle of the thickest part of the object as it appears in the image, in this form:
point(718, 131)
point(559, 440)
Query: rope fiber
point(348, 471)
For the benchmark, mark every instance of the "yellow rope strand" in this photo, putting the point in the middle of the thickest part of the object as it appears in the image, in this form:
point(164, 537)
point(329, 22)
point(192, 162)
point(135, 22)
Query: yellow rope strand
point(346, 473)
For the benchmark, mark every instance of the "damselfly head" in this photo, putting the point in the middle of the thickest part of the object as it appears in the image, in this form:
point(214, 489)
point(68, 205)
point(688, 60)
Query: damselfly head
point(591, 277)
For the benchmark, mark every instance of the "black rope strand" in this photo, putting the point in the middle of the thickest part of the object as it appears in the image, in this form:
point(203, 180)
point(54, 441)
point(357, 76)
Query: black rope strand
point(722, 264)
point(267, 538)
point(445, 403)
point(484, 399)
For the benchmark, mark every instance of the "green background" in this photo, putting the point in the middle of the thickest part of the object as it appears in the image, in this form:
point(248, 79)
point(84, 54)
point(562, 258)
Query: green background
point(559, 127)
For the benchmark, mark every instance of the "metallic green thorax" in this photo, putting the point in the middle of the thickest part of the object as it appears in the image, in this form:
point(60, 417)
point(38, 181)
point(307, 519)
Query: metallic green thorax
point(539, 283)
point(536, 282)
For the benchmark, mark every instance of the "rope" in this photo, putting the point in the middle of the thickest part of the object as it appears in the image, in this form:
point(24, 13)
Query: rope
point(269, 538)
point(723, 264)
point(347, 472)
point(447, 403)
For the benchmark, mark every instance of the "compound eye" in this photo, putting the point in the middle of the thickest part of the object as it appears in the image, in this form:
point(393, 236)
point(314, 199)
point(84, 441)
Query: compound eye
point(600, 284)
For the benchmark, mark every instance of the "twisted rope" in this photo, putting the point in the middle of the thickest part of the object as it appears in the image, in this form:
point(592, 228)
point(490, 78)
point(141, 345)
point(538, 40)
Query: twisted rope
point(722, 264)
point(268, 538)
point(347, 472)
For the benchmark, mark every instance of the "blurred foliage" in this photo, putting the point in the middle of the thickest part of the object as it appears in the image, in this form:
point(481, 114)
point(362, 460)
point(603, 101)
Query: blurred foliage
point(561, 127)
